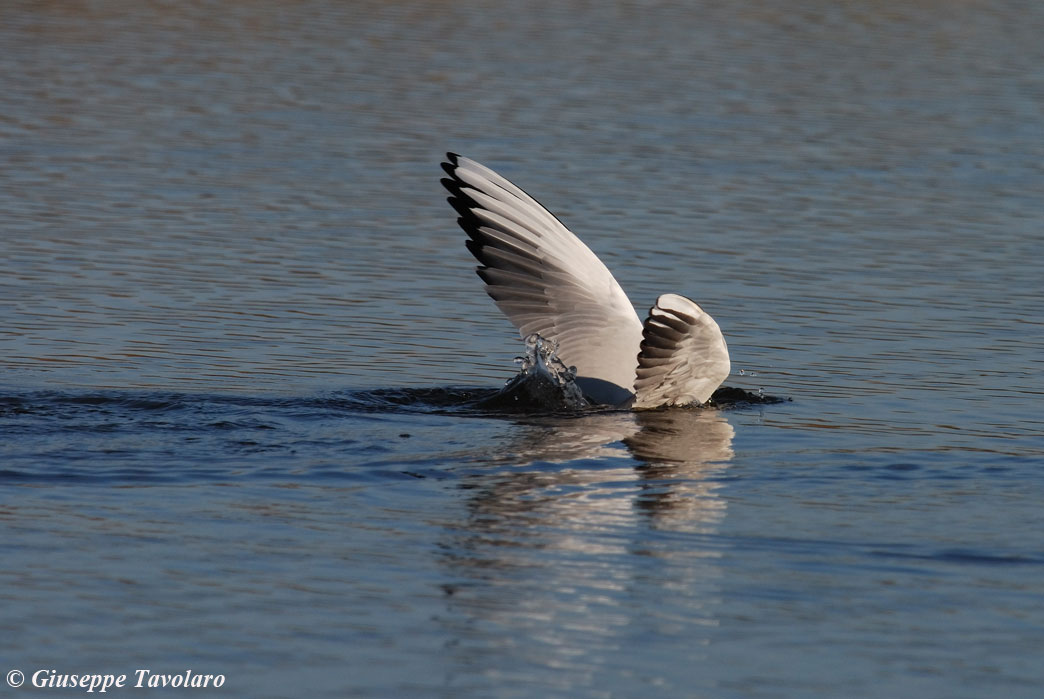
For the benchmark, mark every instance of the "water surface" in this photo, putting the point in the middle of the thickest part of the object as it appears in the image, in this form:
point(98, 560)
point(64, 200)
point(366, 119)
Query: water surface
point(241, 339)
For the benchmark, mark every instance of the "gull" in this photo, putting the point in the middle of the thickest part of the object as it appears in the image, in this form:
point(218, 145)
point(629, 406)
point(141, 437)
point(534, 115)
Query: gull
point(548, 282)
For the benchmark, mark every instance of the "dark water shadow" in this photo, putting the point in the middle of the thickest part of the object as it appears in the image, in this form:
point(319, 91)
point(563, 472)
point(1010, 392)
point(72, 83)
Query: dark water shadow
point(114, 436)
point(494, 402)
point(451, 400)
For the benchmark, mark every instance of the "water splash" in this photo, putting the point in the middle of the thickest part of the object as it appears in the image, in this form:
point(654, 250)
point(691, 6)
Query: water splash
point(543, 382)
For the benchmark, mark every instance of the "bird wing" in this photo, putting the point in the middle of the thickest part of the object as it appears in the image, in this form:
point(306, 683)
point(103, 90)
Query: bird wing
point(683, 355)
point(546, 280)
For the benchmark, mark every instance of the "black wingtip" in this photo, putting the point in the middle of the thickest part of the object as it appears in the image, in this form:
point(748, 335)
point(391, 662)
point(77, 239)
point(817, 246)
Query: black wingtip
point(475, 248)
point(462, 207)
point(453, 186)
point(452, 157)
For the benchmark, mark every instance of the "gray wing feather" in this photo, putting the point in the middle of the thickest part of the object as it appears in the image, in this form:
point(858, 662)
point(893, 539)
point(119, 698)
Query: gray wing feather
point(546, 281)
point(683, 356)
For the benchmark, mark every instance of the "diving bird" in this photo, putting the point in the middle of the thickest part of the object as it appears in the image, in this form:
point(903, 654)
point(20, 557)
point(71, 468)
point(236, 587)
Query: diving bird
point(546, 281)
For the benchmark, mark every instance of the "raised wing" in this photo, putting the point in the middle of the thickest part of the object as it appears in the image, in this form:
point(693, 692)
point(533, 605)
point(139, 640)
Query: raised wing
point(683, 355)
point(546, 280)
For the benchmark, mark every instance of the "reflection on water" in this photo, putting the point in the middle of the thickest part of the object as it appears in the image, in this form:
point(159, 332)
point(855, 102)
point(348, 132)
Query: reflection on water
point(684, 447)
point(557, 548)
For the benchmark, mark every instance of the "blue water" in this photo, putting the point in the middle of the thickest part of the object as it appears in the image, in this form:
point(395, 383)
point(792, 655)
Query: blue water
point(243, 350)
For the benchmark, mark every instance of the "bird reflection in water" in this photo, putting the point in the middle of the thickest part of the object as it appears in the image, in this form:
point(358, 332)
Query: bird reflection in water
point(667, 464)
point(679, 451)
point(577, 553)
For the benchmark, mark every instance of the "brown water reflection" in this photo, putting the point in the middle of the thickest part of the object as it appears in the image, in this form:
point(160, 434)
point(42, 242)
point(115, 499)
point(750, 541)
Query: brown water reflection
point(555, 550)
point(679, 453)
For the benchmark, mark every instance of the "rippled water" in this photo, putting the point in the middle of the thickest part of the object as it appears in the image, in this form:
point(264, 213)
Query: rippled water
point(243, 348)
